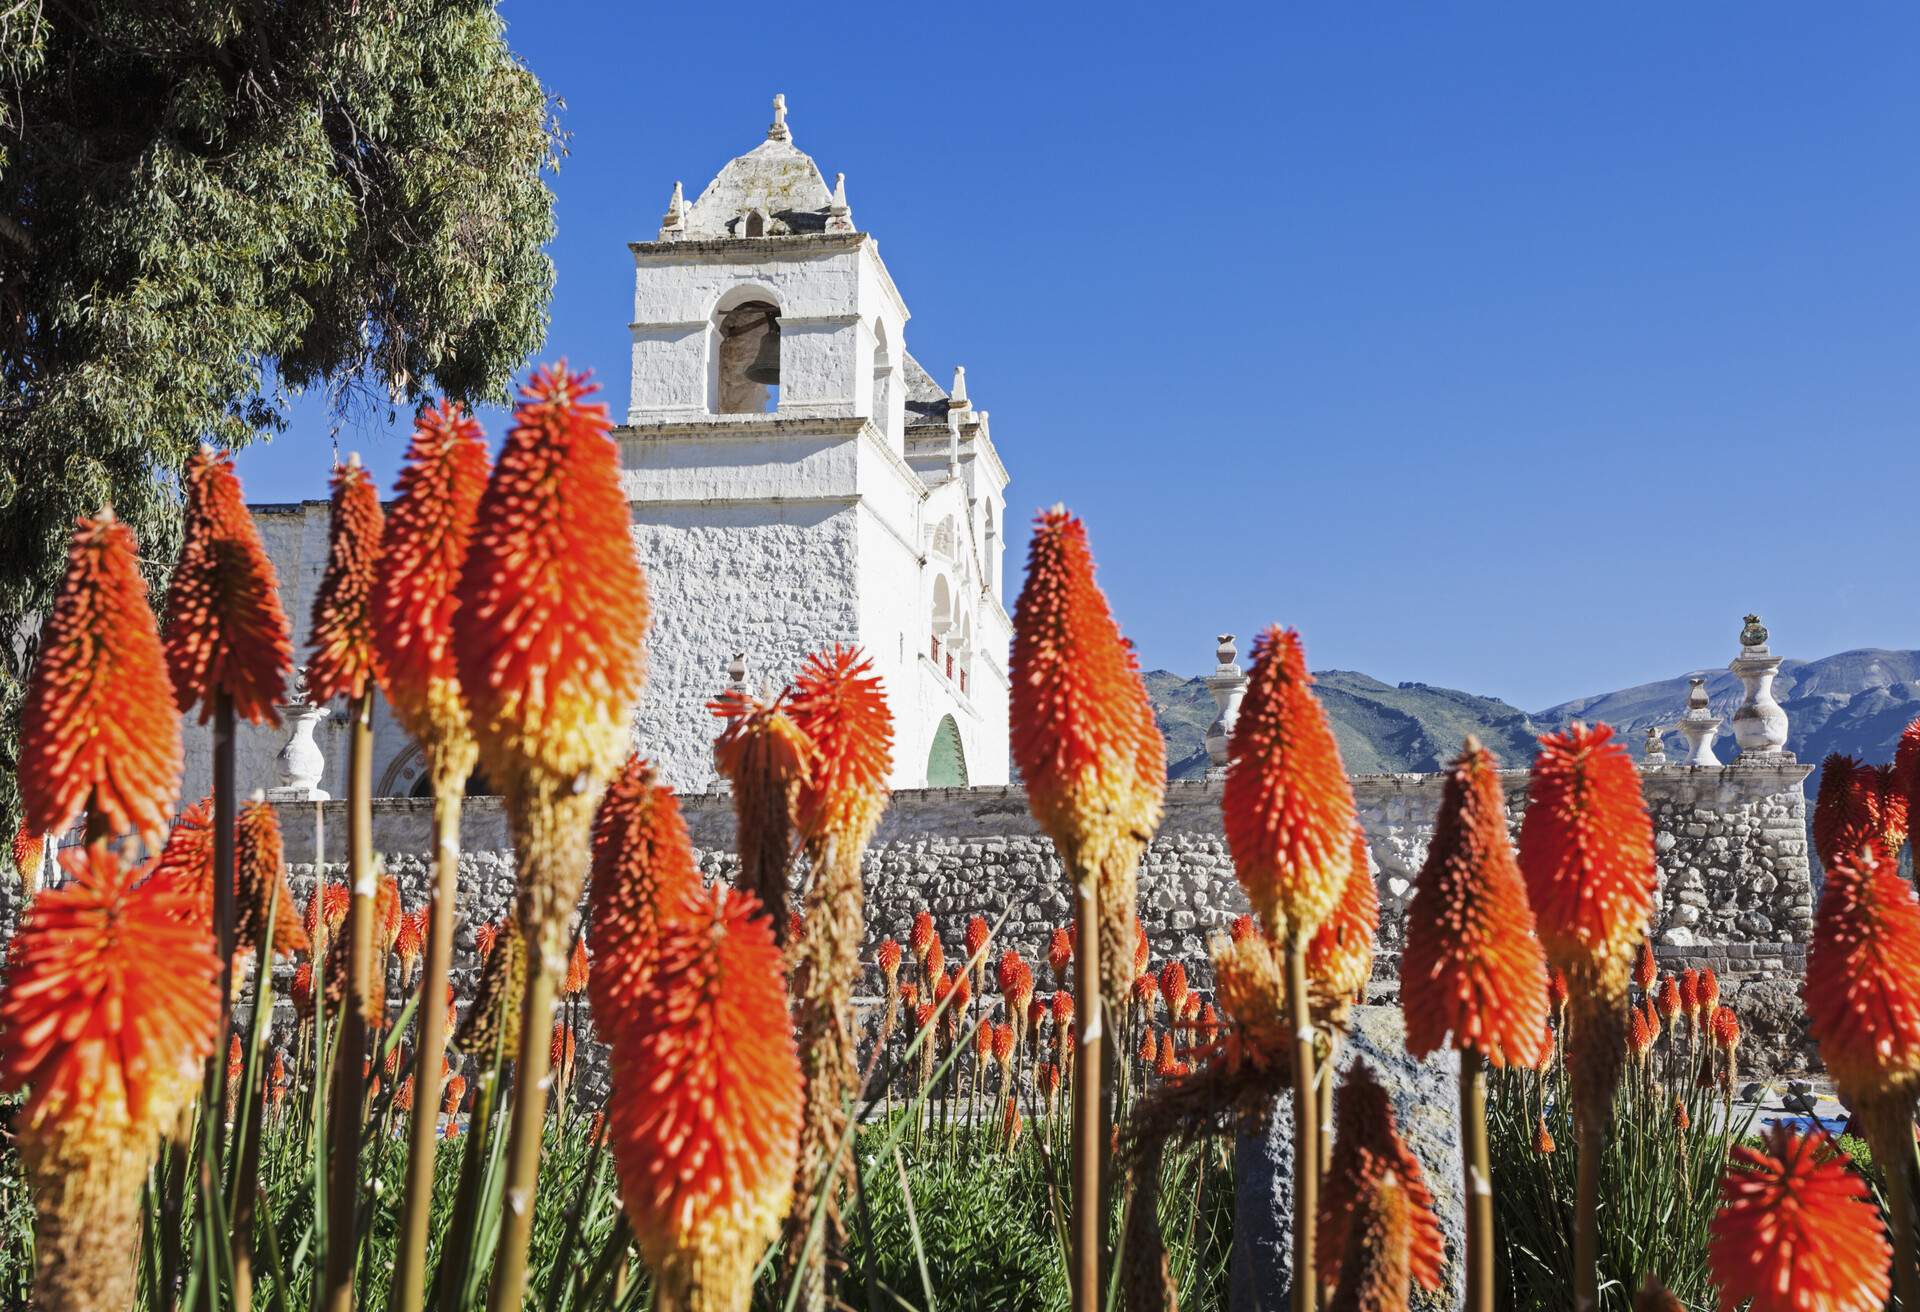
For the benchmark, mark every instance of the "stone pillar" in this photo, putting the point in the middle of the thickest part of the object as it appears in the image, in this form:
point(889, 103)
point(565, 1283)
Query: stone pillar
point(1759, 725)
point(1700, 725)
point(301, 761)
point(1228, 684)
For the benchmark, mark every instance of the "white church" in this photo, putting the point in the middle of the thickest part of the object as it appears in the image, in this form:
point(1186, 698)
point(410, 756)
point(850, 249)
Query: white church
point(797, 479)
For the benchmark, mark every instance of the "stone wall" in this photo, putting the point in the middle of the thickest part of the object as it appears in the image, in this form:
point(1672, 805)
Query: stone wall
point(1736, 887)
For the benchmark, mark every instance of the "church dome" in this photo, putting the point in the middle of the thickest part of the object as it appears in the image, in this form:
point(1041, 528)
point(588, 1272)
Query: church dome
point(773, 190)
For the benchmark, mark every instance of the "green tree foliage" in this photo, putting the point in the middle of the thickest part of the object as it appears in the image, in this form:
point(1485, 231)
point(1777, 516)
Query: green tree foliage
point(209, 205)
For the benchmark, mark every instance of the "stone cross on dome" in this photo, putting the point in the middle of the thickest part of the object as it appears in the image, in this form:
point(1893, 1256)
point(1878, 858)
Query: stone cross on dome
point(777, 130)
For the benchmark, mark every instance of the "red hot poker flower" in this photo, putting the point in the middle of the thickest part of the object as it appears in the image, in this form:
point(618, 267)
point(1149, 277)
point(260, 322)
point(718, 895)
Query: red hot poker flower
point(1586, 847)
point(1797, 1231)
point(421, 554)
point(1862, 986)
point(226, 631)
point(82, 1025)
point(1367, 1148)
point(1472, 974)
point(552, 604)
point(1645, 969)
point(97, 726)
point(1288, 806)
point(1847, 812)
point(705, 1136)
point(976, 938)
point(260, 874)
point(643, 878)
point(342, 626)
point(888, 954)
point(1059, 954)
point(1340, 953)
point(838, 704)
point(1084, 734)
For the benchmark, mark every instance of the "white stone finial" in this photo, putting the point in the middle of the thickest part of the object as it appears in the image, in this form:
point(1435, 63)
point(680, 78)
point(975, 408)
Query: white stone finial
point(957, 399)
point(673, 224)
point(1759, 723)
point(737, 673)
point(839, 217)
point(301, 762)
point(1656, 748)
point(1227, 684)
point(777, 130)
point(1700, 725)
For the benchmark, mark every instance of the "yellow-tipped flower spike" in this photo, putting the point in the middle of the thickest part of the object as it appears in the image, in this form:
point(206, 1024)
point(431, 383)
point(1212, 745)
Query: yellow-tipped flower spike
point(110, 1007)
point(342, 627)
point(422, 552)
point(1084, 735)
point(1288, 806)
point(98, 728)
point(548, 635)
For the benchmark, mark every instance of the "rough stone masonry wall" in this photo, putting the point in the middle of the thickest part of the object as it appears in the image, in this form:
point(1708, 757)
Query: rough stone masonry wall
point(1736, 888)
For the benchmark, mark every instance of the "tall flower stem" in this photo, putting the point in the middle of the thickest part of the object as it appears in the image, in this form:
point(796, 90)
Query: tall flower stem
point(253, 1110)
point(1889, 1127)
point(1475, 1158)
point(349, 1074)
point(226, 810)
point(1088, 1102)
point(529, 1114)
point(1586, 1215)
point(1306, 1131)
point(424, 1145)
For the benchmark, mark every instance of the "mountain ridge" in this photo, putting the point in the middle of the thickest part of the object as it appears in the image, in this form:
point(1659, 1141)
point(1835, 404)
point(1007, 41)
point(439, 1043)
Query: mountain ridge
point(1855, 702)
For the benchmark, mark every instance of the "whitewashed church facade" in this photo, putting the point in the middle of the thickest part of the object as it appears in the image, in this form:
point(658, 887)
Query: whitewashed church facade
point(796, 480)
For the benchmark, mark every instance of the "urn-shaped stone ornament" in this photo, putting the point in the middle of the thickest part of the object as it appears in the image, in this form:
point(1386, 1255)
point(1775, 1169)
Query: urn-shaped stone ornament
point(1759, 723)
point(301, 763)
point(1700, 725)
point(1228, 684)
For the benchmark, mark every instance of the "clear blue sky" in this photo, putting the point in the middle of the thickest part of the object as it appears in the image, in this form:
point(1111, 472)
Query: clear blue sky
point(1512, 348)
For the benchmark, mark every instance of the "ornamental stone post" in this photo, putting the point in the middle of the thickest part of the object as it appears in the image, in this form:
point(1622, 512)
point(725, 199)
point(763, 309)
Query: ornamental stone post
point(1656, 749)
point(1228, 684)
point(1759, 724)
point(301, 762)
point(1700, 725)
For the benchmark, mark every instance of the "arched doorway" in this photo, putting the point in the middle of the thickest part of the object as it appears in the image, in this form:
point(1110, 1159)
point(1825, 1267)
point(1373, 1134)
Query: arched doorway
point(947, 758)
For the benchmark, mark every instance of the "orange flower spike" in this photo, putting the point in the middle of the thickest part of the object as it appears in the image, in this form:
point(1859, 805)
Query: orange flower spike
point(1906, 768)
point(983, 1035)
point(1141, 951)
point(643, 877)
point(97, 729)
point(1367, 1148)
point(977, 937)
point(1242, 928)
point(1797, 1231)
point(1375, 1270)
point(1472, 973)
point(1062, 1007)
point(411, 938)
point(575, 982)
point(421, 554)
point(1896, 798)
point(1667, 999)
point(1288, 807)
point(1846, 811)
point(936, 958)
point(920, 937)
point(342, 625)
point(1862, 987)
point(705, 1140)
point(888, 956)
point(1084, 735)
point(1556, 993)
point(837, 702)
point(1645, 969)
point(261, 875)
point(1725, 1029)
point(1709, 993)
point(1059, 954)
point(107, 1059)
point(1173, 987)
point(767, 758)
point(226, 631)
point(552, 603)
point(185, 864)
point(1002, 1046)
point(1586, 847)
point(1543, 1143)
point(1340, 953)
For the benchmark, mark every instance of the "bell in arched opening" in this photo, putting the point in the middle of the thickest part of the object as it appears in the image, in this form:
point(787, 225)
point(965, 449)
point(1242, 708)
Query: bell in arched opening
point(749, 358)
